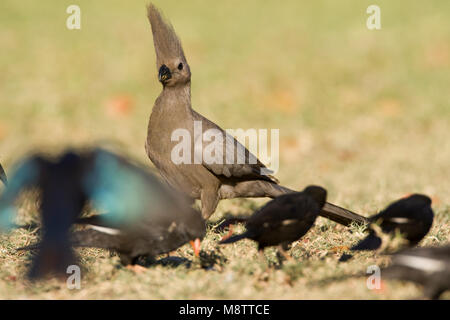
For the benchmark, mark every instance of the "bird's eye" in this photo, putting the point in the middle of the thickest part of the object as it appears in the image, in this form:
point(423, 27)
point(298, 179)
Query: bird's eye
point(180, 66)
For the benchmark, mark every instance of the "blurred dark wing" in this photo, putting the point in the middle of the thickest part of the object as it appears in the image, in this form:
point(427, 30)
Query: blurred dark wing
point(427, 258)
point(25, 175)
point(124, 190)
point(428, 266)
point(95, 239)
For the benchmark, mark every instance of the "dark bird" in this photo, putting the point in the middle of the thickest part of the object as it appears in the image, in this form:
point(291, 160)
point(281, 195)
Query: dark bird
point(412, 216)
point(3, 177)
point(429, 267)
point(144, 215)
point(284, 219)
point(161, 232)
point(234, 172)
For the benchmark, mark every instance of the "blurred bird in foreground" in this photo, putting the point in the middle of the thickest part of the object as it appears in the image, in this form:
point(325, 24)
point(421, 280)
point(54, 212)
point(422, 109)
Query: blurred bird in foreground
point(411, 216)
point(3, 175)
point(144, 216)
point(234, 172)
point(429, 267)
point(283, 220)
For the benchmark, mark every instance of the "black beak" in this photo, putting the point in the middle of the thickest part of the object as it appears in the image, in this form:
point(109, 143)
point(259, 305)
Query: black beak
point(164, 74)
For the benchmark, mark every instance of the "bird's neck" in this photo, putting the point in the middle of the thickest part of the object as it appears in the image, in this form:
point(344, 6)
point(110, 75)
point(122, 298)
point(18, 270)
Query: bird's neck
point(180, 94)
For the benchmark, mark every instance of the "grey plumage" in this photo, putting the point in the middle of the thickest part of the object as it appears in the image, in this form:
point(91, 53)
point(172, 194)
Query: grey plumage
point(209, 182)
point(167, 44)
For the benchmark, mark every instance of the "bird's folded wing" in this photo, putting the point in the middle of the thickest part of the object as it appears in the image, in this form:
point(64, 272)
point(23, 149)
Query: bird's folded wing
point(223, 155)
point(25, 175)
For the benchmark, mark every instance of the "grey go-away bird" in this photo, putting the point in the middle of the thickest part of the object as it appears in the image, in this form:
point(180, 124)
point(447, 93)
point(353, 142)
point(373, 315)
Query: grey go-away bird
point(3, 175)
point(233, 175)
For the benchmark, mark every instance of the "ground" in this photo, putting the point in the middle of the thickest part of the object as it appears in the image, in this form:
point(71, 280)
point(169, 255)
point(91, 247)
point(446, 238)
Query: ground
point(365, 114)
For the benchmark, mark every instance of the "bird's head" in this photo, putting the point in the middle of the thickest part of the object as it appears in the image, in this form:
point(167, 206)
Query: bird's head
point(173, 69)
point(173, 73)
point(319, 194)
point(420, 199)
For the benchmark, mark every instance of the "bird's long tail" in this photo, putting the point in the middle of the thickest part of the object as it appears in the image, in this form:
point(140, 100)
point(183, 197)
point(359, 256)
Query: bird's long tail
point(234, 238)
point(3, 177)
point(333, 212)
point(341, 215)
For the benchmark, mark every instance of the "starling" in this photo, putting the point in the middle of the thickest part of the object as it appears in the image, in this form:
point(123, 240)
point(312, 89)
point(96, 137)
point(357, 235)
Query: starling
point(235, 172)
point(284, 219)
point(429, 267)
point(143, 216)
point(412, 216)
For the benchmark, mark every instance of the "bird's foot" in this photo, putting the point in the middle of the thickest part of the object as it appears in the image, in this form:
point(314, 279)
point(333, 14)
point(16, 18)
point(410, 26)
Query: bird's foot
point(229, 234)
point(196, 244)
point(283, 254)
point(136, 268)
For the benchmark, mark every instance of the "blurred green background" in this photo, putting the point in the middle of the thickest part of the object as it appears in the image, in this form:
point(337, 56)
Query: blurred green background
point(364, 113)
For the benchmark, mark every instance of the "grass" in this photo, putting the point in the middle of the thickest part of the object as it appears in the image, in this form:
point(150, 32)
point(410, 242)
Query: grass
point(363, 113)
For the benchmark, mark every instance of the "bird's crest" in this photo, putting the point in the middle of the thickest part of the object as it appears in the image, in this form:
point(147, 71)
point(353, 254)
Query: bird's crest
point(167, 44)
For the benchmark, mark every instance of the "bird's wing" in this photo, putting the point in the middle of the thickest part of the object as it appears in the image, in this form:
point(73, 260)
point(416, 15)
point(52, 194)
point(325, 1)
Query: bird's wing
point(284, 210)
point(441, 254)
point(25, 175)
point(95, 239)
point(428, 266)
point(406, 208)
point(127, 192)
point(224, 156)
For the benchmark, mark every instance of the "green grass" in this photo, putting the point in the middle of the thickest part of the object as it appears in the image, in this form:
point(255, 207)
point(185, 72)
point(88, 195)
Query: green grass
point(364, 113)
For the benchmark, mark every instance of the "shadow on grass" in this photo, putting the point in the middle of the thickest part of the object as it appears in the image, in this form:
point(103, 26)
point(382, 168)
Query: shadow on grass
point(207, 260)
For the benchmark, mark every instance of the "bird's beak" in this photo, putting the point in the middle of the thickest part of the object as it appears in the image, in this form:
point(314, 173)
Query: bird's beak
point(164, 74)
point(196, 246)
